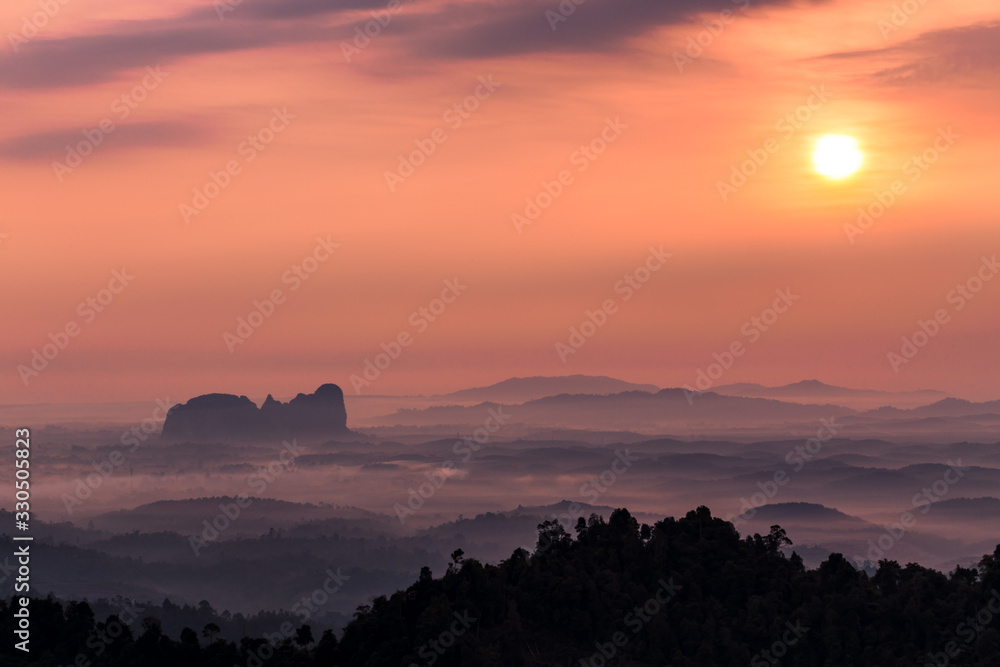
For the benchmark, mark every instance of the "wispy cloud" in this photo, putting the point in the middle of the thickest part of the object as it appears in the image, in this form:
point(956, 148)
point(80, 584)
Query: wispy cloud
point(955, 55)
point(423, 30)
point(51, 145)
point(127, 45)
point(966, 53)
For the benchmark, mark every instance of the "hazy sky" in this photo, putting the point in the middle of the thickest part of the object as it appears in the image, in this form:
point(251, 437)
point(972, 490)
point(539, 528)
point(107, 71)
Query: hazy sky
point(631, 112)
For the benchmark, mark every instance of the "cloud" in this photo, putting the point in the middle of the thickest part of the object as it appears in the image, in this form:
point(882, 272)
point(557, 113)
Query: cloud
point(969, 52)
point(82, 60)
point(51, 145)
point(426, 29)
point(485, 30)
point(128, 45)
point(294, 9)
point(963, 54)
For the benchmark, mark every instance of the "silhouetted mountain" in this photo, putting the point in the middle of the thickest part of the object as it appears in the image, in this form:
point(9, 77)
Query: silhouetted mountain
point(787, 512)
point(668, 410)
point(228, 417)
point(975, 507)
point(948, 407)
point(256, 517)
point(680, 412)
point(810, 391)
point(520, 390)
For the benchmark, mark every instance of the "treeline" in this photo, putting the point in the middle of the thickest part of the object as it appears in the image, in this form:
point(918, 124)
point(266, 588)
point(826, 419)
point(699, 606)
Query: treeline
point(686, 593)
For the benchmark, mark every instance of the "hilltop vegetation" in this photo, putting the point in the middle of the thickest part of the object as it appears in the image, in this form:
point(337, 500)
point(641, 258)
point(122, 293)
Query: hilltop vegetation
point(683, 592)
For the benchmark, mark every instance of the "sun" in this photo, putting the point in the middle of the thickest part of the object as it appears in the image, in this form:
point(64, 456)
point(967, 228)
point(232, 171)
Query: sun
point(837, 156)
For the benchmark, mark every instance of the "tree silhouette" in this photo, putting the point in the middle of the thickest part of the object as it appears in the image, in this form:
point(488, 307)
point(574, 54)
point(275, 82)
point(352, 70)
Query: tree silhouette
point(683, 592)
point(304, 636)
point(210, 631)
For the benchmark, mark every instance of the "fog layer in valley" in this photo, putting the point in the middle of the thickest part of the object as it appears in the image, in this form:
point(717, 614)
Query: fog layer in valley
point(263, 524)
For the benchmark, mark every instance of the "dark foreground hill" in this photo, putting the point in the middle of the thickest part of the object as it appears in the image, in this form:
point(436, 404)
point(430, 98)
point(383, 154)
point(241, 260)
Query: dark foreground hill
point(687, 592)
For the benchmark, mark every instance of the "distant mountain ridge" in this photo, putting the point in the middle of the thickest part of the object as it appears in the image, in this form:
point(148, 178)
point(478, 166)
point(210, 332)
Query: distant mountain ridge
point(812, 390)
point(801, 511)
point(810, 387)
point(668, 410)
point(523, 389)
point(681, 412)
point(520, 390)
point(947, 407)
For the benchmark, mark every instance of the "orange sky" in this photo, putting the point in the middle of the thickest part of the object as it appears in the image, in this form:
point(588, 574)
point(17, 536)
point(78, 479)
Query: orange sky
point(340, 126)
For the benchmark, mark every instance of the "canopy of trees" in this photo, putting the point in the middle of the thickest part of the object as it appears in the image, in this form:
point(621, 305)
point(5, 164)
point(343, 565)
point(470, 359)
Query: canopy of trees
point(687, 593)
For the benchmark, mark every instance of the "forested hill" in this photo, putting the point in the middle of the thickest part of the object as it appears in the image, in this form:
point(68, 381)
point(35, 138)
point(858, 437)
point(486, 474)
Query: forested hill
point(687, 592)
